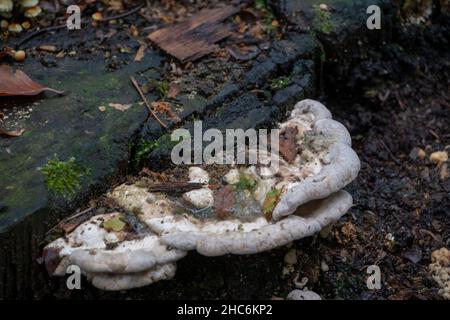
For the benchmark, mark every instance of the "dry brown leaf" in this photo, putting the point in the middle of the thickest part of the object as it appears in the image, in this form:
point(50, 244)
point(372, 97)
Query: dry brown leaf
point(48, 48)
point(12, 133)
point(174, 90)
point(140, 53)
point(19, 84)
point(288, 144)
point(119, 106)
point(165, 108)
point(224, 201)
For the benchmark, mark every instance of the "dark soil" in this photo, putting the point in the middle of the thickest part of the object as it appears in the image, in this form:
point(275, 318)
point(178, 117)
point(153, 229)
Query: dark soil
point(402, 203)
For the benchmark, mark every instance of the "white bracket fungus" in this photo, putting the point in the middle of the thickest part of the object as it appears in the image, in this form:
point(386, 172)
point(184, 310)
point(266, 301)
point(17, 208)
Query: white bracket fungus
point(252, 209)
point(340, 164)
point(120, 255)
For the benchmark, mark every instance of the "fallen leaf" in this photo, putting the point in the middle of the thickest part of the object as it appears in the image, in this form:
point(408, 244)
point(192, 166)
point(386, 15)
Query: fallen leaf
point(48, 48)
point(61, 54)
point(140, 53)
point(270, 202)
point(174, 90)
point(120, 107)
point(224, 200)
point(288, 144)
point(13, 133)
point(165, 108)
point(19, 84)
point(114, 224)
point(134, 31)
point(251, 53)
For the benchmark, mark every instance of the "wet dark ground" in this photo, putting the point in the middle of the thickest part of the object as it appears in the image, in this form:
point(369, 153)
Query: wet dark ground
point(393, 102)
point(402, 203)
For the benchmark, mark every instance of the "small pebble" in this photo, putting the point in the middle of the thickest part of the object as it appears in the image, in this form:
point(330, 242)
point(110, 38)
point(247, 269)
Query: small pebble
point(303, 295)
point(439, 157)
point(20, 56)
point(324, 266)
point(417, 153)
point(323, 7)
point(444, 173)
point(291, 257)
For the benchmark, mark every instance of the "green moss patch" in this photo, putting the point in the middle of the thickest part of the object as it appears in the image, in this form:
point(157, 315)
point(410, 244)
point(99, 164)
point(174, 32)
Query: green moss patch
point(63, 177)
point(322, 20)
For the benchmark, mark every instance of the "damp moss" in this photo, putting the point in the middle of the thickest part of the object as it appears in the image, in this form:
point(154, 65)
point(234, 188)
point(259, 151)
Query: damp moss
point(280, 83)
point(322, 20)
point(146, 147)
point(63, 177)
point(245, 183)
point(162, 87)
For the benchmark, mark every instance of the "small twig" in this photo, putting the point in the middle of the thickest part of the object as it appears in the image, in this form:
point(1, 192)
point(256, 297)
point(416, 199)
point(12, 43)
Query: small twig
point(139, 90)
point(125, 14)
point(64, 221)
point(174, 187)
point(84, 21)
point(390, 152)
point(78, 214)
point(44, 30)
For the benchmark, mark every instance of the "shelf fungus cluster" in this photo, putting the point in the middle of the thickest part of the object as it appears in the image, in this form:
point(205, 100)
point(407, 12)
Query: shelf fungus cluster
point(29, 9)
point(245, 209)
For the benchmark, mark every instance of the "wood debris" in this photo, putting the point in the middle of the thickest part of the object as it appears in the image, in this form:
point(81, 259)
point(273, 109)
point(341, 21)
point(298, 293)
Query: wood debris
point(196, 37)
point(174, 187)
point(165, 108)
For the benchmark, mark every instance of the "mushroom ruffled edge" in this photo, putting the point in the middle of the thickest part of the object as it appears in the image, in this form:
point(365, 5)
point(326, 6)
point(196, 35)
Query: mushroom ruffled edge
point(340, 168)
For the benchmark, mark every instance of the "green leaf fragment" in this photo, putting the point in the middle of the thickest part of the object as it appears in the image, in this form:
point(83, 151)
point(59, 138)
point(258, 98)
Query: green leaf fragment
point(270, 202)
point(245, 183)
point(114, 224)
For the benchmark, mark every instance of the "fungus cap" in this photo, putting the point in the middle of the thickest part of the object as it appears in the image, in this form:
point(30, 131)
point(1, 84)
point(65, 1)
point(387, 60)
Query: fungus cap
point(116, 282)
point(6, 6)
point(28, 3)
point(213, 237)
point(97, 250)
point(15, 27)
point(33, 12)
point(340, 164)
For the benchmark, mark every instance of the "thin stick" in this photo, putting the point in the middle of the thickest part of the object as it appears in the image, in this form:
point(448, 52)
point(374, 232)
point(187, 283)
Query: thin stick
point(125, 14)
point(65, 220)
point(138, 88)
